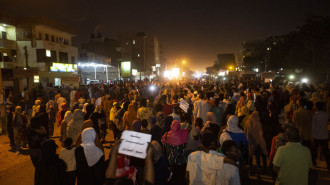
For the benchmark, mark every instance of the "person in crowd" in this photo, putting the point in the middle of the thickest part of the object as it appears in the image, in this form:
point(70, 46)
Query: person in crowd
point(50, 170)
point(75, 125)
point(90, 163)
point(36, 134)
point(144, 112)
point(112, 179)
point(64, 125)
point(232, 132)
point(119, 116)
point(89, 110)
point(201, 107)
point(73, 97)
point(217, 110)
point(10, 128)
point(163, 173)
point(157, 130)
point(36, 107)
point(61, 113)
point(60, 101)
point(211, 123)
point(19, 127)
point(209, 167)
point(320, 133)
point(129, 117)
point(176, 112)
point(144, 127)
point(51, 111)
point(174, 141)
point(67, 154)
point(257, 144)
point(43, 118)
point(302, 119)
point(292, 161)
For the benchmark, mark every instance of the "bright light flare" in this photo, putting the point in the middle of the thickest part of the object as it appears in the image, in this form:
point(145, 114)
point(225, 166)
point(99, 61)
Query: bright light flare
point(304, 80)
point(175, 72)
point(291, 77)
point(152, 88)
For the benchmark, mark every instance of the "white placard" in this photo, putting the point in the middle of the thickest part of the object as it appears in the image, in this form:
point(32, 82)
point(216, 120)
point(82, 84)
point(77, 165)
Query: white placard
point(134, 144)
point(184, 105)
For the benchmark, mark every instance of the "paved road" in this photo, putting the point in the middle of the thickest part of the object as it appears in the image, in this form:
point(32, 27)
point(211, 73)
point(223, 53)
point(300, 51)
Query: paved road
point(18, 169)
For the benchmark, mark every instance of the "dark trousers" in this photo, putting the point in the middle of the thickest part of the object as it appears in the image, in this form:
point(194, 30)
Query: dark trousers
point(259, 155)
point(72, 175)
point(325, 150)
point(11, 137)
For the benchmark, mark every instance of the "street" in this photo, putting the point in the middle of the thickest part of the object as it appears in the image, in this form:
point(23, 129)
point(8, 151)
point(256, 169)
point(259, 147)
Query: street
point(18, 169)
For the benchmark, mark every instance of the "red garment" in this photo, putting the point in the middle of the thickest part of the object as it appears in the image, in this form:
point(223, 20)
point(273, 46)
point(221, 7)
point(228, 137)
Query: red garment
point(272, 150)
point(77, 95)
point(167, 109)
point(59, 116)
point(176, 136)
point(123, 168)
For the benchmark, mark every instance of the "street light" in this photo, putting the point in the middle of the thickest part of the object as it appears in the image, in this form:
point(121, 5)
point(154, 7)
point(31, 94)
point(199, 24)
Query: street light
point(291, 77)
point(231, 67)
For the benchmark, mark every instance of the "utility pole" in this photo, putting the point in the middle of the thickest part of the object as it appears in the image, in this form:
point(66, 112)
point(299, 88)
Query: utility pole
point(26, 65)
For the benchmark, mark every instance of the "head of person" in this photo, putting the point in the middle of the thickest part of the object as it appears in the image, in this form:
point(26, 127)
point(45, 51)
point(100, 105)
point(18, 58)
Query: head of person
point(48, 149)
point(88, 136)
point(89, 108)
point(230, 149)
point(201, 96)
point(18, 110)
point(143, 102)
point(64, 106)
point(78, 115)
point(209, 140)
point(144, 123)
point(168, 123)
point(126, 104)
point(68, 143)
point(37, 102)
point(319, 106)
point(302, 103)
point(292, 134)
point(211, 117)
point(136, 125)
point(75, 106)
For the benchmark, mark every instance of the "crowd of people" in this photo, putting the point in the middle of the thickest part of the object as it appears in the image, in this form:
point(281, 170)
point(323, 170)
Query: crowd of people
point(212, 141)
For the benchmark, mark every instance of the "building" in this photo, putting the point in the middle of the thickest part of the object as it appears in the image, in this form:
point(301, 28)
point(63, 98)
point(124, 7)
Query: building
point(226, 61)
point(44, 52)
point(142, 51)
point(99, 59)
point(253, 55)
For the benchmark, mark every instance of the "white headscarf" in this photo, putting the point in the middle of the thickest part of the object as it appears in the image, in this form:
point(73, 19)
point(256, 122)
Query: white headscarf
point(232, 125)
point(92, 152)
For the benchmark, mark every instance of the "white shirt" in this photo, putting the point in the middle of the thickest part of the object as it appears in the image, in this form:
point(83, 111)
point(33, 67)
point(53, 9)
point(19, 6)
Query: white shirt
point(201, 108)
point(209, 169)
point(69, 158)
point(72, 95)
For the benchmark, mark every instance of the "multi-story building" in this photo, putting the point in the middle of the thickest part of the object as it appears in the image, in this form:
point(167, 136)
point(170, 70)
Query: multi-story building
point(44, 51)
point(226, 61)
point(142, 51)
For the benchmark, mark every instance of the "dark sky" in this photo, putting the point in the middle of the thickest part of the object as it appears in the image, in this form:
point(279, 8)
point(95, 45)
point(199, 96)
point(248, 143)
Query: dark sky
point(196, 30)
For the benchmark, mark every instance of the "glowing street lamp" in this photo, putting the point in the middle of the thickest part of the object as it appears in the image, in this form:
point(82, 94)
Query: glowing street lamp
point(291, 77)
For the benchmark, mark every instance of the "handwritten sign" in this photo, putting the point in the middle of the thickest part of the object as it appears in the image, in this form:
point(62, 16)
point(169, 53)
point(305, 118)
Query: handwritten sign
point(184, 105)
point(134, 144)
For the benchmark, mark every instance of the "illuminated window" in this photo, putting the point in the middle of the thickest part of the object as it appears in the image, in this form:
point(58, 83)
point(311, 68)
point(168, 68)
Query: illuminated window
point(36, 79)
point(138, 55)
point(48, 53)
point(5, 54)
point(133, 41)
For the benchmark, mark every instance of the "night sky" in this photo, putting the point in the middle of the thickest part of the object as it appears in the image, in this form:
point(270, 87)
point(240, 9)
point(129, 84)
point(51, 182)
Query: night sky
point(196, 30)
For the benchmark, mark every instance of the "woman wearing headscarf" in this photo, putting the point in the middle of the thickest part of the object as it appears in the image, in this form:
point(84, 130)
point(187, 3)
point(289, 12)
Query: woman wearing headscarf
point(19, 126)
point(36, 107)
point(211, 124)
point(36, 134)
point(75, 125)
point(43, 118)
point(129, 117)
point(67, 118)
point(174, 141)
point(51, 111)
point(84, 108)
point(161, 165)
point(50, 170)
point(232, 132)
point(89, 160)
point(157, 130)
point(254, 134)
point(95, 117)
point(61, 113)
point(88, 124)
point(89, 110)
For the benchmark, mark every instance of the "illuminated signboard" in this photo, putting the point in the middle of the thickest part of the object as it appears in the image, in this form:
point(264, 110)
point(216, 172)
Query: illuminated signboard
point(60, 67)
point(125, 69)
point(134, 72)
